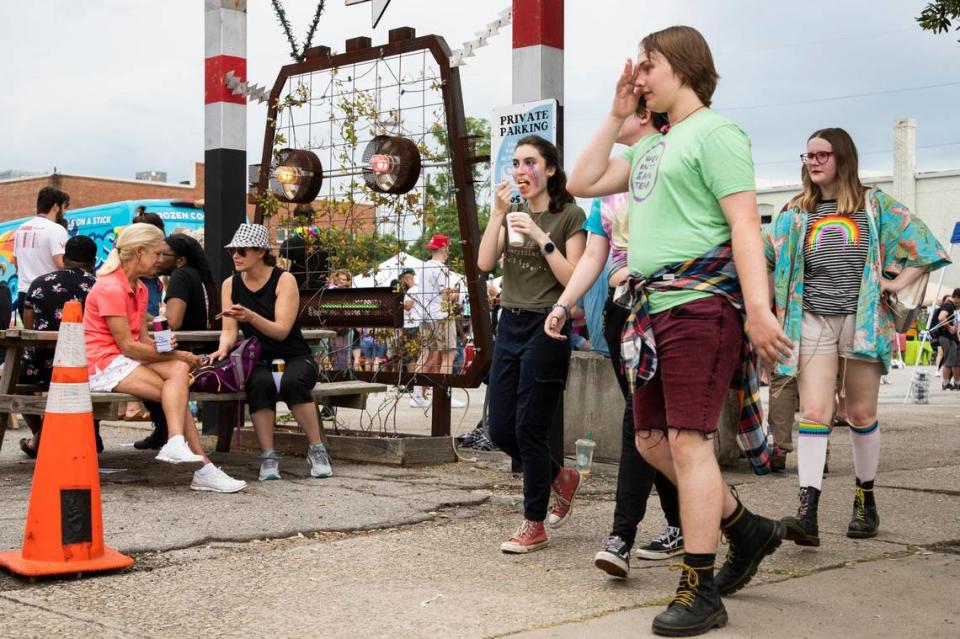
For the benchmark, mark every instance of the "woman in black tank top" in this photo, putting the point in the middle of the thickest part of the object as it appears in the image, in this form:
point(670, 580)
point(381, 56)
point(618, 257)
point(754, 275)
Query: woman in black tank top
point(261, 300)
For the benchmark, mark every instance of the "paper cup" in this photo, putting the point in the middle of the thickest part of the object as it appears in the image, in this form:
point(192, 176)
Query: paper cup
point(515, 238)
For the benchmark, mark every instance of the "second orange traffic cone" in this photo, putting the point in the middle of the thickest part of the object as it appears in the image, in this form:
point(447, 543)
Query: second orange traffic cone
point(64, 529)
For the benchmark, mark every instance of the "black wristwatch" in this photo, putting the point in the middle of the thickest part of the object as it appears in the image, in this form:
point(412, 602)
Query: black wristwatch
point(548, 248)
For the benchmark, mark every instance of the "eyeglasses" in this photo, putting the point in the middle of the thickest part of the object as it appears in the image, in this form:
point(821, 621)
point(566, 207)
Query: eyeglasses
point(162, 254)
point(242, 252)
point(819, 156)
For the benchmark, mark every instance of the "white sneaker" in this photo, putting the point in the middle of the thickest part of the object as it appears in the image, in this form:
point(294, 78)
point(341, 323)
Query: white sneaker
point(215, 480)
point(419, 402)
point(176, 451)
point(456, 403)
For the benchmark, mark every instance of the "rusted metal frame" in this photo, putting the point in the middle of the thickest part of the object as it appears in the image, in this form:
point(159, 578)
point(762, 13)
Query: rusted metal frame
point(319, 59)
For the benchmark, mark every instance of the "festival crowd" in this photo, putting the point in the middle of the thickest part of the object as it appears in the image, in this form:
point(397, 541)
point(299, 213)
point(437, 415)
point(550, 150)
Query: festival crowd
point(700, 300)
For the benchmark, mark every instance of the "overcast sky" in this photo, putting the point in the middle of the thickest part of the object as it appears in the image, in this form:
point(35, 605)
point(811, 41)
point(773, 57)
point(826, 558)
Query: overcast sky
point(111, 87)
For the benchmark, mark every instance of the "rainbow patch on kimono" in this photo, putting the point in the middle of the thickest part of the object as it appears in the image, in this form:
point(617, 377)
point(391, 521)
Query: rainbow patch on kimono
point(813, 429)
point(865, 430)
point(839, 224)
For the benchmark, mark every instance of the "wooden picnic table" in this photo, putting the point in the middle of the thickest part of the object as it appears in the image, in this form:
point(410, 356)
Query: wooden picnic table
point(19, 398)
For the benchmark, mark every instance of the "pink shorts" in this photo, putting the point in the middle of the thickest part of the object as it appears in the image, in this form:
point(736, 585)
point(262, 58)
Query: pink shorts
point(698, 345)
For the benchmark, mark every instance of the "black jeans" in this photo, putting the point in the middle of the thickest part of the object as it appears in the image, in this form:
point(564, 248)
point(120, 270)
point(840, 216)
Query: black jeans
point(527, 377)
point(635, 476)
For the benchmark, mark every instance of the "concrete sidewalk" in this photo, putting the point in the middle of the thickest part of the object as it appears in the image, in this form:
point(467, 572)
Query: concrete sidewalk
point(390, 552)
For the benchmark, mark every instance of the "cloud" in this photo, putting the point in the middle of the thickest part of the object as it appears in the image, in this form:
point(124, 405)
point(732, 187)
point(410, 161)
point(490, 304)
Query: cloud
point(113, 87)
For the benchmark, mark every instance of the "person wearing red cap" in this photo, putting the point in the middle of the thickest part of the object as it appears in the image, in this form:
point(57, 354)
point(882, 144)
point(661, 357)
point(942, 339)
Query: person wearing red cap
point(438, 333)
point(530, 369)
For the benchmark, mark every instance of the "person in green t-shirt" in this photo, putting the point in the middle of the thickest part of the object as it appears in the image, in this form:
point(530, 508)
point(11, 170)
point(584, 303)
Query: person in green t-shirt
point(691, 190)
point(541, 249)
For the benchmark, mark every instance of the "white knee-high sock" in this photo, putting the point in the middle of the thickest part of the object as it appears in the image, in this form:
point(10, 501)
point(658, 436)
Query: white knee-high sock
point(866, 450)
point(812, 452)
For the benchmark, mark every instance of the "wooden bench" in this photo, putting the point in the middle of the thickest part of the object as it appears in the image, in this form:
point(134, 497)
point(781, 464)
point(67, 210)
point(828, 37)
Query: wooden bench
point(23, 399)
point(346, 394)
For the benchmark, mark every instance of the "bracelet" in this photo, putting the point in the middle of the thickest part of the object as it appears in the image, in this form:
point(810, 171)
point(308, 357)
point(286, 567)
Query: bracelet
point(566, 311)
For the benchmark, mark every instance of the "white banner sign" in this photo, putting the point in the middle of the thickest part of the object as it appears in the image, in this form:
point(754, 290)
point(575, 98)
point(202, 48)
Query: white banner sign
point(511, 123)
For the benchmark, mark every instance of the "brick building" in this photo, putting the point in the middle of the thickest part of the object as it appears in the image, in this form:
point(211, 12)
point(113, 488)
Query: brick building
point(18, 197)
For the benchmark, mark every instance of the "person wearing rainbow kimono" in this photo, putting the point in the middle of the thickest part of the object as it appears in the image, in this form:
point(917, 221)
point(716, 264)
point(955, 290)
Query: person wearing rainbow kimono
point(836, 252)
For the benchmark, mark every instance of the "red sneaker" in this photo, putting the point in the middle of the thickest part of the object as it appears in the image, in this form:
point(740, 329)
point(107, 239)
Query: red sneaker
point(565, 488)
point(530, 536)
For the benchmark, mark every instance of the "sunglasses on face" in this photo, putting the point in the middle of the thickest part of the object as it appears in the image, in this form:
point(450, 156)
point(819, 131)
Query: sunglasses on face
point(242, 252)
point(819, 156)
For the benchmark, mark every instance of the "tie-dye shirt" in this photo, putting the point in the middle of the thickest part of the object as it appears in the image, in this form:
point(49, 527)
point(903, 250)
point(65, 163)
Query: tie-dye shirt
point(608, 218)
point(904, 241)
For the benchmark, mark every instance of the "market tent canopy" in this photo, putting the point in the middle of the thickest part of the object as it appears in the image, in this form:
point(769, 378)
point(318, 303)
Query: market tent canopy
point(390, 269)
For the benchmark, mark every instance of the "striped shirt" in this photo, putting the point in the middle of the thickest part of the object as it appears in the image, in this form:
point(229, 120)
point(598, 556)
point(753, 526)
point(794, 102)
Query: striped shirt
point(835, 252)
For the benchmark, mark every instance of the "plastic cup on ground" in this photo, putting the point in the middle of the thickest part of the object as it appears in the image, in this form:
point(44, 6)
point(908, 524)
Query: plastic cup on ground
point(515, 238)
point(585, 455)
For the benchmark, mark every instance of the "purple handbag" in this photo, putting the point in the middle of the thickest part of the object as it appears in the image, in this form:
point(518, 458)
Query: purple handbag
point(230, 374)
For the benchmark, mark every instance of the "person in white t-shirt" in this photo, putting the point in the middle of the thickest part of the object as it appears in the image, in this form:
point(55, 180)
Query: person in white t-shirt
point(40, 242)
point(438, 334)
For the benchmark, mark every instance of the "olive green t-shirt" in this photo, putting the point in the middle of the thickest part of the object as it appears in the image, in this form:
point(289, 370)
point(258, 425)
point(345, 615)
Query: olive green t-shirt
point(528, 281)
point(676, 182)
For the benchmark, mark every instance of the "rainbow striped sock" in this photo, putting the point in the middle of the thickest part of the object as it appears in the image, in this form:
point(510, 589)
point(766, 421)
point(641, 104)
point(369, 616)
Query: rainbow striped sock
point(812, 452)
point(866, 450)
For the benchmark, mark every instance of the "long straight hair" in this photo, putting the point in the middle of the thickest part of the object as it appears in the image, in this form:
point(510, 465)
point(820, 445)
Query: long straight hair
point(130, 239)
point(557, 183)
point(188, 248)
point(850, 190)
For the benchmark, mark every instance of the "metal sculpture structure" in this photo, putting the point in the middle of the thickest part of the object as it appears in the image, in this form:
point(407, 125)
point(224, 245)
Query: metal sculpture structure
point(361, 112)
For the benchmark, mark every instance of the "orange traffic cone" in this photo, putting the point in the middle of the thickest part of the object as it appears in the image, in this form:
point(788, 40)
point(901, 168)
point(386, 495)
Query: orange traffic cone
point(64, 530)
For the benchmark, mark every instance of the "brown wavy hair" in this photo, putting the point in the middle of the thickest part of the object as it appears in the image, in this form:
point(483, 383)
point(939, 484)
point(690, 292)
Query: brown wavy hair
point(689, 55)
point(556, 183)
point(850, 190)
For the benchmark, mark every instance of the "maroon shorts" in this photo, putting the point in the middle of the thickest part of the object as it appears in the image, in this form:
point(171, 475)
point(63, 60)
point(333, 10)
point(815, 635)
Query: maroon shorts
point(698, 346)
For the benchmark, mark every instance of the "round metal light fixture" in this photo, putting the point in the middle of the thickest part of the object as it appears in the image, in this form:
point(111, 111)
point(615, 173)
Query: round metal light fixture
point(297, 176)
point(391, 164)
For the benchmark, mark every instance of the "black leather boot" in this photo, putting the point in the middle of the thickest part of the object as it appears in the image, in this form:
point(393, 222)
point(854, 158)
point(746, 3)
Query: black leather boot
point(865, 518)
point(696, 607)
point(802, 529)
point(751, 538)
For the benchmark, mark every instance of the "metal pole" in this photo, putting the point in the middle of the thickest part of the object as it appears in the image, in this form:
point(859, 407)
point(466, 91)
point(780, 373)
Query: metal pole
point(538, 75)
point(225, 137)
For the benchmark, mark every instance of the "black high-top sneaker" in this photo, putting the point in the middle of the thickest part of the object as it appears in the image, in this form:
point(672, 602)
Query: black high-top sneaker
point(751, 538)
point(802, 529)
point(696, 607)
point(865, 518)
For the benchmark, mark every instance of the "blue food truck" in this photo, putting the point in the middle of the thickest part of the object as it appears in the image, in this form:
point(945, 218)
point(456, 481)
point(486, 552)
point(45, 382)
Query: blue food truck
point(101, 224)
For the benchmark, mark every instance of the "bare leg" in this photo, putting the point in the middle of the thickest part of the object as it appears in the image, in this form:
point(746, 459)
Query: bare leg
point(264, 421)
point(306, 416)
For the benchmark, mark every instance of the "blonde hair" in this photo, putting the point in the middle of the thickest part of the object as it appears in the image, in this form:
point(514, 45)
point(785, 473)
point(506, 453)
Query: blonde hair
point(129, 239)
point(850, 191)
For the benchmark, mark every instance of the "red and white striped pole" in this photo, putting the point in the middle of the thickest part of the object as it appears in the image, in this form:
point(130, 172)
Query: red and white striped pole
point(538, 75)
point(538, 54)
point(225, 129)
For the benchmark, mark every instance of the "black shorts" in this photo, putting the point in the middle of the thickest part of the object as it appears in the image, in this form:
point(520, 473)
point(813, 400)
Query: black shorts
point(300, 375)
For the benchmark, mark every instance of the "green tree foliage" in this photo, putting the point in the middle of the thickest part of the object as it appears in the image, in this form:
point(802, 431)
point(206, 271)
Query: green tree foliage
point(940, 16)
point(440, 208)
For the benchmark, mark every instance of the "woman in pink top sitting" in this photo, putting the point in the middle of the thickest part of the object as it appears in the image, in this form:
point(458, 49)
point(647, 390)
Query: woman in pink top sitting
point(123, 358)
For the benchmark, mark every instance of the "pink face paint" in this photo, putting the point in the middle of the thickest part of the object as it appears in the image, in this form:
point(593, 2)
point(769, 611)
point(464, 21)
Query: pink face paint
point(533, 174)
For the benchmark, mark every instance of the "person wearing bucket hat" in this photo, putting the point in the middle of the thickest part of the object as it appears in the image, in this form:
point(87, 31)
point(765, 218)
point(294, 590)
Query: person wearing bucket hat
point(261, 300)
